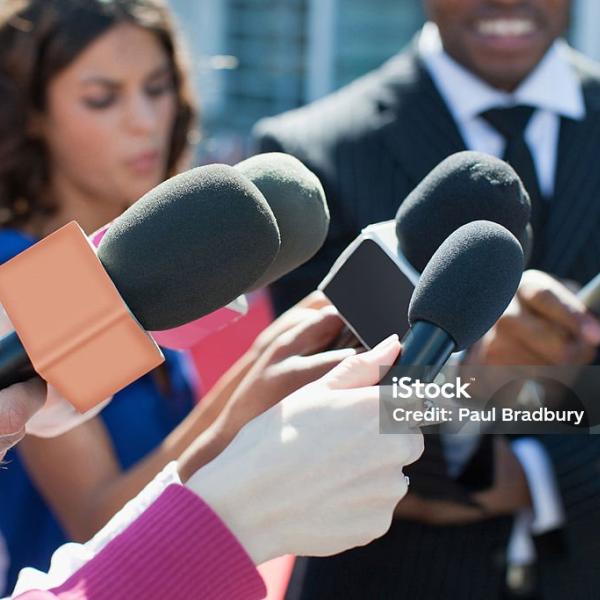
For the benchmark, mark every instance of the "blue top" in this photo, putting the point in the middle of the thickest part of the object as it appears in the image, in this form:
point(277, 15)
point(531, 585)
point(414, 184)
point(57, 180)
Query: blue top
point(138, 419)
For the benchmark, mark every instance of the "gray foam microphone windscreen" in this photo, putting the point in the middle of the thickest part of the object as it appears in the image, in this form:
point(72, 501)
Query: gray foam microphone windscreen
point(469, 281)
point(190, 246)
point(467, 186)
point(297, 199)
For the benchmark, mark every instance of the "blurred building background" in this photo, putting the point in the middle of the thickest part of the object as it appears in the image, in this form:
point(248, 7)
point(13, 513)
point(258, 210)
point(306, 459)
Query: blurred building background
point(253, 58)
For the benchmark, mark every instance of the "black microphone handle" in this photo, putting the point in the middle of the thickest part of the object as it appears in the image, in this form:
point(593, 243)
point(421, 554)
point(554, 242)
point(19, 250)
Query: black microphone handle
point(425, 345)
point(15, 365)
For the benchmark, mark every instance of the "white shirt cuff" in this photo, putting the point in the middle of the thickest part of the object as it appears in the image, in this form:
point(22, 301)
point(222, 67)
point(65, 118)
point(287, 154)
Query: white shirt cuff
point(548, 511)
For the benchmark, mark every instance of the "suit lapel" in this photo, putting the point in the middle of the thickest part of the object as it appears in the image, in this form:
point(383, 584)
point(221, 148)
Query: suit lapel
point(575, 208)
point(417, 129)
point(415, 124)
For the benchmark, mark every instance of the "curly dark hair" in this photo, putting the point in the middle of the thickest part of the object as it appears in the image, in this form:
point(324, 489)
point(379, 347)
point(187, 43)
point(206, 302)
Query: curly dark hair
point(39, 38)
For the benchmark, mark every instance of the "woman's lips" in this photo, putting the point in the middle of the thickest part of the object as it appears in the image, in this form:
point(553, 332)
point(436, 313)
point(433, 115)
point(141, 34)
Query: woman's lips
point(145, 163)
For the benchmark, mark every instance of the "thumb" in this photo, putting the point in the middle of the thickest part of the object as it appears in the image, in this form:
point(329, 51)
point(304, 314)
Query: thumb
point(18, 403)
point(364, 370)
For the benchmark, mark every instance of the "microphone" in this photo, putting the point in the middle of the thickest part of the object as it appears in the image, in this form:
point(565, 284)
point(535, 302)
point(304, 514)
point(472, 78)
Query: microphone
point(466, 186)
point(372, 282)
point(297, 200)
point(462, 292)
point(217, 237)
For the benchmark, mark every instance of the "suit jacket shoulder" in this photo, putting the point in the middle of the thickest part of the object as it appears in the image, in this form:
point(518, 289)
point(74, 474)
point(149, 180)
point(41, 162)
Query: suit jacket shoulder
point(588, 71)
point(347, 115)
point(369, 143)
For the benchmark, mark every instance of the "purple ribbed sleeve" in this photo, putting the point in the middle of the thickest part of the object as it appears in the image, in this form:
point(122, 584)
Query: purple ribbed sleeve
point(178, 549)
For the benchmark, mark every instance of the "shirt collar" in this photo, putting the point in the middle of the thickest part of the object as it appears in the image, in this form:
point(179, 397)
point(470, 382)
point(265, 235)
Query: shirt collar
point(552, 85)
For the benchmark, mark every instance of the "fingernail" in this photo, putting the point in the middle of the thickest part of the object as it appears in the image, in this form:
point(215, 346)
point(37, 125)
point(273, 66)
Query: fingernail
point(328, 310)
point(392, 339)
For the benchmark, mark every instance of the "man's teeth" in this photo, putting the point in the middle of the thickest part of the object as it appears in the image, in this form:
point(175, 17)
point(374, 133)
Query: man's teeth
point(506, 27)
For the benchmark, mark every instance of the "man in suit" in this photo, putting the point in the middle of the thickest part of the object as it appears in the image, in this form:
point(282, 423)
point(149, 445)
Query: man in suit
point(493, 76)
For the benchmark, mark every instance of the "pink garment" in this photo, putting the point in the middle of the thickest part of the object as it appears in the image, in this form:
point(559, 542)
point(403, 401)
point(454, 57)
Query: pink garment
point(177, 549)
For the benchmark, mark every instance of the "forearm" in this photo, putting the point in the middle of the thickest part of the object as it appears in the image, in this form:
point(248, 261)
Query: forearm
point(97, 487)
point(195, 430)
point(204, 414)
point(107, 499)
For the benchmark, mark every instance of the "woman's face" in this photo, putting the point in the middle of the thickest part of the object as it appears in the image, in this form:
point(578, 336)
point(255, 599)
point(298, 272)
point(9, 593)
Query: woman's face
point(109, 118)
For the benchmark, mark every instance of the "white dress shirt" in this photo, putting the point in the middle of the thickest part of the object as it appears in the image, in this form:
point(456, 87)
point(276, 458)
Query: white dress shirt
point(552, 87)
point(555, 91)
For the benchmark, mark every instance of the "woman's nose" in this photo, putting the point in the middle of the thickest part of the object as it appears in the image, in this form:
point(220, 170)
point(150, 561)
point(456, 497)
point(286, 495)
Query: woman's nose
point(141, 117)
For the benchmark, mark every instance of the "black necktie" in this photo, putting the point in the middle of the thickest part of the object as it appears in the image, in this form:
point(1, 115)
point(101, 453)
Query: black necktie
point(511, 124)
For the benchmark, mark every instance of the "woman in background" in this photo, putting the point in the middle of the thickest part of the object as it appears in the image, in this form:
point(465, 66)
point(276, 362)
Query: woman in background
point(95, 110)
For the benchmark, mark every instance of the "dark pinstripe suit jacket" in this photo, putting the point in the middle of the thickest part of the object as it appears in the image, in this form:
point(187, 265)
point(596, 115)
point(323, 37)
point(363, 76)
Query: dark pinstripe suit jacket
point(371, 143)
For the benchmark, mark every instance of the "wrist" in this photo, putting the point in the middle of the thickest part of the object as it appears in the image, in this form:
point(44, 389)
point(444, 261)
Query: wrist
point(232, 487)
point(202, 451)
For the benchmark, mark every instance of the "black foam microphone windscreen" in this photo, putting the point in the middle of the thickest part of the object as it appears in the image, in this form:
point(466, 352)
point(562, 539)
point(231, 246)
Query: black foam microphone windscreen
point(190, 246)
point(297, 200)
point(469, 282)
point(467, 186)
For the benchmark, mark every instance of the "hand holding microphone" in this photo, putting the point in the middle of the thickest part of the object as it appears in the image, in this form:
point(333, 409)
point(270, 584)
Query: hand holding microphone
point(295, 358)
point(312, 475)
point(463, 290)
point(291, 482)
point(545, 324)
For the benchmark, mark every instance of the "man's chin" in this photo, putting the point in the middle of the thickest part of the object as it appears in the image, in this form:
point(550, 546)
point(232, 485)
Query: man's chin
point(505, 75)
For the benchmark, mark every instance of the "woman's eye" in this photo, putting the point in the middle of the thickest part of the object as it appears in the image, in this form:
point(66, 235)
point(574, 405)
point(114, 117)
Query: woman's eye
point(100, 102)
point(158, 89)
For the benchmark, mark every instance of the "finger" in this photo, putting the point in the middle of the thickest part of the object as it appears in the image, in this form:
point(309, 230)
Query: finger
point(364, 369)
point(502, 350)
point(285, 322)
point(346, 339)
point(315, 366)
point(553, 301)
point(298, 371)
point(315, 300)
point(535, 334)
point(511, 353)
point(310, 336)
point(18, 403)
